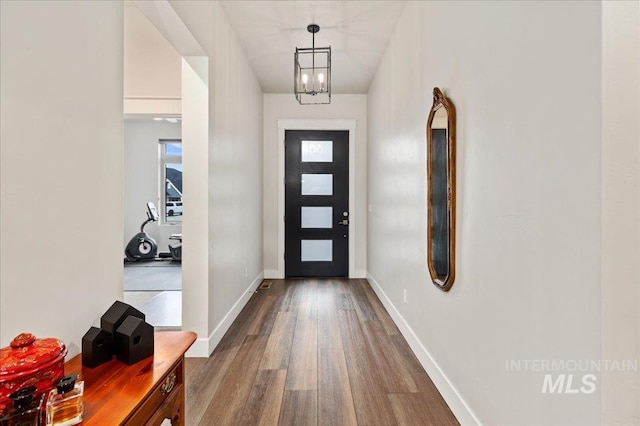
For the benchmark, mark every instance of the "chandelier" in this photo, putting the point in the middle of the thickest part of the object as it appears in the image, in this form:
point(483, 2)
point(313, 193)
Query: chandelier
point(312, 75)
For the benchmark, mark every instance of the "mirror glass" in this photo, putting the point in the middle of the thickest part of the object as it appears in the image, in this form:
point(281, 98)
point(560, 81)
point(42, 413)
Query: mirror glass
point(439, 196)
point(441, 191)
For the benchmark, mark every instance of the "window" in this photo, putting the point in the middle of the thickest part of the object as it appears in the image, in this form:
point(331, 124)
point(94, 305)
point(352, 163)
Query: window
point(171, 180)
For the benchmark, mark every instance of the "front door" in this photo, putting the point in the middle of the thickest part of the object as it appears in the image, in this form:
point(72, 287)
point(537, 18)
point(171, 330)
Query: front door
point(316, 203)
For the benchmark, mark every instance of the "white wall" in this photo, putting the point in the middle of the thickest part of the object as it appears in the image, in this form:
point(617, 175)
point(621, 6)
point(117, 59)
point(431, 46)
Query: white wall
point(152, 67)
point(142, 177)
point(285, 106)
point(235, 168)
point(61, 166)
point(527, 94)
point(621, 208)
point(195, 185)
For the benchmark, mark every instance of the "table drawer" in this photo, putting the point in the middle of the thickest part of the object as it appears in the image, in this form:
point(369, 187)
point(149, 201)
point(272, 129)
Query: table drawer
point(170, 409)
point(171, 384)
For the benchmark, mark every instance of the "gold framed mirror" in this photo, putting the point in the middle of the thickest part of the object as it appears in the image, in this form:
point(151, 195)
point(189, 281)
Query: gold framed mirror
point(441, 191)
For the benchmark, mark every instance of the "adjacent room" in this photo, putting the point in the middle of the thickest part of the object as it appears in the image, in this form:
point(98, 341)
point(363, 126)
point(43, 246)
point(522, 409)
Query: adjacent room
point(152, 172)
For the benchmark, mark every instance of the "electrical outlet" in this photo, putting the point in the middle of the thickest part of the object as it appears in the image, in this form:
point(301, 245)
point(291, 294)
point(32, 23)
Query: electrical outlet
point(246, 272)
point(404, 295)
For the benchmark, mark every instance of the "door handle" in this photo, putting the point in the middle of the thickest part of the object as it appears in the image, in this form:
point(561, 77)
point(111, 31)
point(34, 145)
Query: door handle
point(344, 222)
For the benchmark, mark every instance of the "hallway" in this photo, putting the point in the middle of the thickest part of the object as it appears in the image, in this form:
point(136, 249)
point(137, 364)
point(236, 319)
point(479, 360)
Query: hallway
point(313, 351)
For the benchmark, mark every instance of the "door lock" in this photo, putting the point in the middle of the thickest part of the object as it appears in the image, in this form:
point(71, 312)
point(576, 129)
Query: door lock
point(344, 222)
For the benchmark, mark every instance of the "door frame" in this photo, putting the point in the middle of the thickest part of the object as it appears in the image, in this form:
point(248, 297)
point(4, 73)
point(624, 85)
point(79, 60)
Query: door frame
point(318, 124)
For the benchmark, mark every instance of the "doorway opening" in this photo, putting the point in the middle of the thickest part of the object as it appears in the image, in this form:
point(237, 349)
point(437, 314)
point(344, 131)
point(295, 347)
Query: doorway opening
point(153, 174)
point(348, 126)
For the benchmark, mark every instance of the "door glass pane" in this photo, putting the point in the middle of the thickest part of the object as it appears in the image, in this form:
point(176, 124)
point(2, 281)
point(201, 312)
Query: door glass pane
point(317, 184)
point(317, 151)
point(316, 251)
point(316, 217)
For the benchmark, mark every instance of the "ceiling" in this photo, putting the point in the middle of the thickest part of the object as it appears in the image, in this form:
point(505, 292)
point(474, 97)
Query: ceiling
point(357, 31)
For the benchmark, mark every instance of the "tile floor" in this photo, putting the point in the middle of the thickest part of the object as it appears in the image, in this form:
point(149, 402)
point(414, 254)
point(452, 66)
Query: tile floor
point(163, 309)
point(154, 289)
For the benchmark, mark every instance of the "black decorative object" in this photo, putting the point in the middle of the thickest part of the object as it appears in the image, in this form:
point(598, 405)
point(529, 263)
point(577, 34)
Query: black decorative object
point(116, 314)
point(133, 340)
point(97, 347)
point(312, 72)
point(123, 332)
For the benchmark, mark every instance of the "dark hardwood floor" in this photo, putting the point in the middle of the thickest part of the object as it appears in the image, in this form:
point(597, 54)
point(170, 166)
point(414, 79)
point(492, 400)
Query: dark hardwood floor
point(308, 352)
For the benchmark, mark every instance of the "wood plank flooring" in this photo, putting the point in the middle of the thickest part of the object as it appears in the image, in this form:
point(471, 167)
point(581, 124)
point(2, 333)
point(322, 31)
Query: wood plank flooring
point(313, 352)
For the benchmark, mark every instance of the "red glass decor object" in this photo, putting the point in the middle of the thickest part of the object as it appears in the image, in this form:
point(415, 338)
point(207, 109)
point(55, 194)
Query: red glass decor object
point(28, 361)
point(5, 403)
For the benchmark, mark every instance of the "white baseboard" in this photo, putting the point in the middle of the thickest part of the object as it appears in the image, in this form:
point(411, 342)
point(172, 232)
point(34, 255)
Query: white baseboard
point(199, 349)
point(203, 347)
point(271, 274)
point(359, 273)
point(458, 406)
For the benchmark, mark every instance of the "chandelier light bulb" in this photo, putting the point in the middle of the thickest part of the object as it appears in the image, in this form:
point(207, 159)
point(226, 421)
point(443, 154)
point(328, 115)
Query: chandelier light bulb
point(321, 81)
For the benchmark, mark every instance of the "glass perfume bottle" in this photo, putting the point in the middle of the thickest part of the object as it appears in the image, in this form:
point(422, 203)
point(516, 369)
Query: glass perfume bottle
point(64, 405)
point(26, 409)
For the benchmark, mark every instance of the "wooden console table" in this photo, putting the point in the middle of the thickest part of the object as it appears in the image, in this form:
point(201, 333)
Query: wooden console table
point(144, 393)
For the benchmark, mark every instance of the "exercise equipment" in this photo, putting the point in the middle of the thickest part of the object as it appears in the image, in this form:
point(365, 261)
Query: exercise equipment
point(142, 246)
point(176, 249)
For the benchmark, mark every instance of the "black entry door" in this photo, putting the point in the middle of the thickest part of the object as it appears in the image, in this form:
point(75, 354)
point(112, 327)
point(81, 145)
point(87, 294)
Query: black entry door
point(316, 203)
